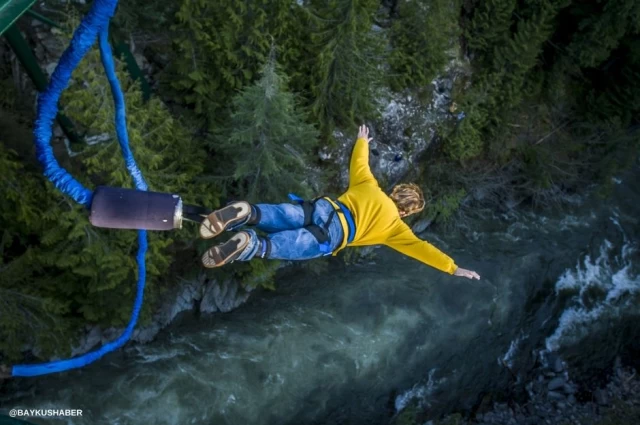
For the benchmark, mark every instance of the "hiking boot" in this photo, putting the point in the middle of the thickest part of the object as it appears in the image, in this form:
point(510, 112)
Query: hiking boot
point(227, 252)
point(234, 214)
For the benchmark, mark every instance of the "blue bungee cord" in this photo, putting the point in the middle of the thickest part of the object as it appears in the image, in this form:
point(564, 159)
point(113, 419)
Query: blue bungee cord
point(95, 23)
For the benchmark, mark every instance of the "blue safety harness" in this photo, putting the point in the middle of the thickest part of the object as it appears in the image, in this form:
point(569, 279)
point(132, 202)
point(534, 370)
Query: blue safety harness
point(321, 233)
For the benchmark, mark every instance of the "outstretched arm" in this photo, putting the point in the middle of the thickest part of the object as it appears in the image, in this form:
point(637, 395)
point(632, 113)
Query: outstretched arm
point(359, 171)
point(406, 242)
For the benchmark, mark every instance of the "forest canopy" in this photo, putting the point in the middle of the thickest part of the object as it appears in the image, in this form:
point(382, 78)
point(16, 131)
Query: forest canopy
point(245, 94)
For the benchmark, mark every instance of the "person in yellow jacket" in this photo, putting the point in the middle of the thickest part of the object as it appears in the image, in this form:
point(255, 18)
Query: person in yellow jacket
point(363, 215)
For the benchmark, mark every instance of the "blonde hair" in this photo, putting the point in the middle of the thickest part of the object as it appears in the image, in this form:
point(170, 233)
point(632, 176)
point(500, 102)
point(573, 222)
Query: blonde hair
point(408, 197)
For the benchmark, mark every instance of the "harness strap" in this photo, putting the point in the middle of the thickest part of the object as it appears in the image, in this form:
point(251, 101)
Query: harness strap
point(265, 247)
point(195, 213)
point(349, 218)
point(322, 233)
point(307, 208)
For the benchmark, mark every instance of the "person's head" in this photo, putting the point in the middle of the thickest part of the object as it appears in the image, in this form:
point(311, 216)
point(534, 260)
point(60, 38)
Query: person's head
point(408, 198)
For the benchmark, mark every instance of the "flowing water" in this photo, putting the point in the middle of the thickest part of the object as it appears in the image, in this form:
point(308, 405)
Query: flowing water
point(356, 343)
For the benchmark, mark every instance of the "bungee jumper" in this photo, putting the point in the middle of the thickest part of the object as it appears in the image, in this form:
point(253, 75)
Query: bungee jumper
point(363, 215)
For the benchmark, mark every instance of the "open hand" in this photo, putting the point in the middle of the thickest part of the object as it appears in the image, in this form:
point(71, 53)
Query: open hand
point(363, 131)
point(466, 273)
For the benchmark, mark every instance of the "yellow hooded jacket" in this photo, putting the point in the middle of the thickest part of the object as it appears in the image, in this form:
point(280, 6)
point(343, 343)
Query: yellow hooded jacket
point(377, 218)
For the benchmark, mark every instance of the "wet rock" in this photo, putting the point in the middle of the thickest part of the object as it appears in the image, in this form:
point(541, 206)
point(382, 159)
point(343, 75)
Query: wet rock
point(52, 46)
point(141, 61)
point(558, 365)
point(147, 334)
point(182, 299)
point(223, 297)
point(49, 68)
point(421, 225)
point(90, 340)
point(406, 130)
point(554, 395)
point(572, 399)
point(556, 383)
point(569, 389)
point(39, 51)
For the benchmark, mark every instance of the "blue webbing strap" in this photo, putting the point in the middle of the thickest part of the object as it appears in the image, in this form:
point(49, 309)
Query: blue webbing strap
point(350, 222)
point(96, 22)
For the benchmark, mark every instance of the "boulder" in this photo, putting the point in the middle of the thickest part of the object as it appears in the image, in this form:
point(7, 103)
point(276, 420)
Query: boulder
point(556, 383)
point(556, 396)
point(223, 297)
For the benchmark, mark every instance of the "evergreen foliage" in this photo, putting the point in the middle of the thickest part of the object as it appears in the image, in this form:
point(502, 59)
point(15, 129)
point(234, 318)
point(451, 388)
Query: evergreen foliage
point(59, 271)
point(553, 100)
point(508, 43)
point(421, 35)
point(221, 46)
point(603, 26)
point(30, 306)
point(267, 139)
point(347, 71)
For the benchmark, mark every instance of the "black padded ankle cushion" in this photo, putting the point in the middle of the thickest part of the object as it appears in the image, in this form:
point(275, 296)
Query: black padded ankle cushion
point(118, 208)
point(254, 218)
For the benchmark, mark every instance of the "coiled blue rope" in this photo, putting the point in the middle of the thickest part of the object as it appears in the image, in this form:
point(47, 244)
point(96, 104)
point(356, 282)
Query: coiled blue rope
point(95, 23)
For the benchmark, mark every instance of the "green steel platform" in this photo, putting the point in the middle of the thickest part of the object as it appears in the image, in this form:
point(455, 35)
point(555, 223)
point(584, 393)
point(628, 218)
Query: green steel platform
point(11, 10)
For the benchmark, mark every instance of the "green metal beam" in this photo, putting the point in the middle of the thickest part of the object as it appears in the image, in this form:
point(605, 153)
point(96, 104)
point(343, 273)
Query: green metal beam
point(41, 18)
point(22, 50)
point(11, 10)
point(122, 50)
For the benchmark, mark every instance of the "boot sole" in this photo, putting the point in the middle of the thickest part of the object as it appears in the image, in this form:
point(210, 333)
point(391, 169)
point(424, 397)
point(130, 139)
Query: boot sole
point(219, 220)
point(227, 252)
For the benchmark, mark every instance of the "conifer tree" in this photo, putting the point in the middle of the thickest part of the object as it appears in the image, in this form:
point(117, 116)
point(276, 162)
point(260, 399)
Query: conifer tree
point(29, 311)
point(421, 34)
point(348, 57)
point(507, 53)
point(602, 28)
point(267, 139)
point(490, 26)
point(221, 46)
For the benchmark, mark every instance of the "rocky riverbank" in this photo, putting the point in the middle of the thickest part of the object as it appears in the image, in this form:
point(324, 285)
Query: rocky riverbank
point(552, 398)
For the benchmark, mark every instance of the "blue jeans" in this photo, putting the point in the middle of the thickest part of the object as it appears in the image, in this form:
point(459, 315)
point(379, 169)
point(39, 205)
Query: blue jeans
point(289, 240)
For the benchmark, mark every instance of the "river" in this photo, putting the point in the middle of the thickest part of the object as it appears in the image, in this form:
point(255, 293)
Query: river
point(355, 343)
